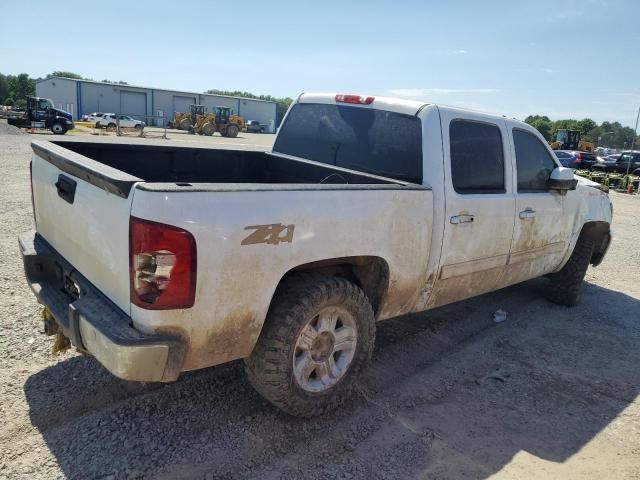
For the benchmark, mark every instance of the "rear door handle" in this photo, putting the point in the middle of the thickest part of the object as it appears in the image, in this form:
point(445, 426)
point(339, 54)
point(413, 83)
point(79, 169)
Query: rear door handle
point(528, 213)
point(461, 219)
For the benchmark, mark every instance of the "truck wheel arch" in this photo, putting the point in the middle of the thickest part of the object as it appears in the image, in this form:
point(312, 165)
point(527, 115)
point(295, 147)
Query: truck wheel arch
point(597, 231)
point(370, 273)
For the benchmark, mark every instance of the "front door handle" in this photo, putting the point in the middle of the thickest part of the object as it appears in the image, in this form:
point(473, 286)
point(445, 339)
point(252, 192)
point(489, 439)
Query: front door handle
point(528, 213)
point(461, 219)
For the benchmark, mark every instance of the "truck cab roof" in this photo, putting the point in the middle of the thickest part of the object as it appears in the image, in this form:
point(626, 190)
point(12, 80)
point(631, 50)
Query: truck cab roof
point(398, 105)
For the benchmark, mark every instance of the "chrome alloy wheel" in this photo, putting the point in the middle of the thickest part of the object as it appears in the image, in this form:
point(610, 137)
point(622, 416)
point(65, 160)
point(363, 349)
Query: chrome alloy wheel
point(324, 349)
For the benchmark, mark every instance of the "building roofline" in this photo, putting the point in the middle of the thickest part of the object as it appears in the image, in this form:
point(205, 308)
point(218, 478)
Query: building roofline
point(154, 88)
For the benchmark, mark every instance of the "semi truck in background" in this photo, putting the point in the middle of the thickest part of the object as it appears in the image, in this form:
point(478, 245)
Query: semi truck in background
point(40, 113)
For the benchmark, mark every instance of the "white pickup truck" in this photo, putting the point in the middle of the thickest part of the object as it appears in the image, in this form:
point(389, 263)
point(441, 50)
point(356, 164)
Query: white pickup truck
point(161, 259)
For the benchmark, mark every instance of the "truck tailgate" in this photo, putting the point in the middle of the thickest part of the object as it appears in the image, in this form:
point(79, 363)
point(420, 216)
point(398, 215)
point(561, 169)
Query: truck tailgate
point(87, 223)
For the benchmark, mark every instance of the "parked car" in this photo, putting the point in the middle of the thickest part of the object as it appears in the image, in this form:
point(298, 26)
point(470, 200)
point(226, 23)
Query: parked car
point(628, 162)
point(253, 126)
point(94, 117)
point(110, 120)
point(165, 259)
point(608, 163)
point(619, 162)
point(575, 159)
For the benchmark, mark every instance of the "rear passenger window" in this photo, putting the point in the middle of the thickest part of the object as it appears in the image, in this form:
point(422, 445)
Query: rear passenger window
point(477, 157)
point(364, 139)
point(533, 162)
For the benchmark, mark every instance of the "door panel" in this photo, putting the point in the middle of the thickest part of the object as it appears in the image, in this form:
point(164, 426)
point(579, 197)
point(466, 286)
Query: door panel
point(478, 217)
point(540, 233)
point(538, 238)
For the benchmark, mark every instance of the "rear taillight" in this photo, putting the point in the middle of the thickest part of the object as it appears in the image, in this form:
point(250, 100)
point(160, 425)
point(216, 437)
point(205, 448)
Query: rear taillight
point(358, 99)
point(162, 262)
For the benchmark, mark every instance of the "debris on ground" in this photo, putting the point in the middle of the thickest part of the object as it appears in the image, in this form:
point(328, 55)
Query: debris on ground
point(499, 316)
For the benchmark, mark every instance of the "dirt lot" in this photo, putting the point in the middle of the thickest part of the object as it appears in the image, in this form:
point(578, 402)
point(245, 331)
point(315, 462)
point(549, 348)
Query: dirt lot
point(550, 393)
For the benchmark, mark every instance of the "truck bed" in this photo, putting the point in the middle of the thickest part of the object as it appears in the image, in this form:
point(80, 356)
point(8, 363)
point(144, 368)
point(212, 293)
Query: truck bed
point(187, 165)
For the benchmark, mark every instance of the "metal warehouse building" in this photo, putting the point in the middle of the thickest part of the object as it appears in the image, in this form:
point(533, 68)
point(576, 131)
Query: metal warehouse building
point(84, 96)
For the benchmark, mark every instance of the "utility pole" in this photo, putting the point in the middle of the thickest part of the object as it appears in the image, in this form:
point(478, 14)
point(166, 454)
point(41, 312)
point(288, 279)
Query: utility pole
point(633, 140)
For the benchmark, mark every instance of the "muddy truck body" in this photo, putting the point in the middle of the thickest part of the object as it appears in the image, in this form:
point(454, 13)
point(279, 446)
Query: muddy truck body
point(161, 258)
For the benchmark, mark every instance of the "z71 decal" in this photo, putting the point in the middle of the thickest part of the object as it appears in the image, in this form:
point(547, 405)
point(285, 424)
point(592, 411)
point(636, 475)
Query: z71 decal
point(272, 234)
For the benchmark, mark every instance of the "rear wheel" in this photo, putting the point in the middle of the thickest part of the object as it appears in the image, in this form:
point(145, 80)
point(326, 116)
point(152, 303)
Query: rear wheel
point(184, 124)
point(58, 129)
point(232, 131)
point(564, 285)
point(112, 125)
point(317, 339)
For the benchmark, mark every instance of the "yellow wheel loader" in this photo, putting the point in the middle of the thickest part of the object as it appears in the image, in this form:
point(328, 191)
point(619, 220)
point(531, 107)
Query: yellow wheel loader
point(565, 139)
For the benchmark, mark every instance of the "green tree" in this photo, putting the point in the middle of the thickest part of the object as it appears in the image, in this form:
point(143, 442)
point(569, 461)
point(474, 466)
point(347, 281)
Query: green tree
point(60, 73)
point(9, 102)
point(570, 124)
point(21, 85)
point(595, 135)
point(541, 123)
point(586, 125)
point(4, 87)
point(21, 103)
point(532, 118)
point(545, 128)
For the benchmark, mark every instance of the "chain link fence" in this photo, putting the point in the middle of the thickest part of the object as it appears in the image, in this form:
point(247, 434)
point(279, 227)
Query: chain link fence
point(124, 127)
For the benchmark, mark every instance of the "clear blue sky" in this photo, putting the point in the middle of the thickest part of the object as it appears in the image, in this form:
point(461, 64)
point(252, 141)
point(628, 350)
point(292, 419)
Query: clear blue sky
point(566, 58)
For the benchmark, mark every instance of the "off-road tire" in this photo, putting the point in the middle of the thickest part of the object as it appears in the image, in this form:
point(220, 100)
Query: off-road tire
point(270, 366)
point(208, 129)
point(232, 131)
point(564, 285)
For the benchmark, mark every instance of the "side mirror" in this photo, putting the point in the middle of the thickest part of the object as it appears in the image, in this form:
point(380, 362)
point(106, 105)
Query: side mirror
point(562, 179)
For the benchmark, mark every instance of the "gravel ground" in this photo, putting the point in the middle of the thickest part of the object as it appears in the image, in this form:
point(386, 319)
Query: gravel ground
point(550, 393)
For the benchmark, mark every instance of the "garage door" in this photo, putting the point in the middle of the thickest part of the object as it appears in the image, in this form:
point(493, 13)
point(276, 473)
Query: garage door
point(134, 104)
point(181, 104)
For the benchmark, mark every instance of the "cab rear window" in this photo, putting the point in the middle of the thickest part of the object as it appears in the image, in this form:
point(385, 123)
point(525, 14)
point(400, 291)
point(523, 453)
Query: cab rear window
point(364, 139)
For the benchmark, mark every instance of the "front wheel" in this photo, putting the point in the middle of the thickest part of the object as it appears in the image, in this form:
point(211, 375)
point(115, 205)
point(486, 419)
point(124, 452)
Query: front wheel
point(58, 129)
point(232, 131)
point(564, 285)
point(316, 340)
